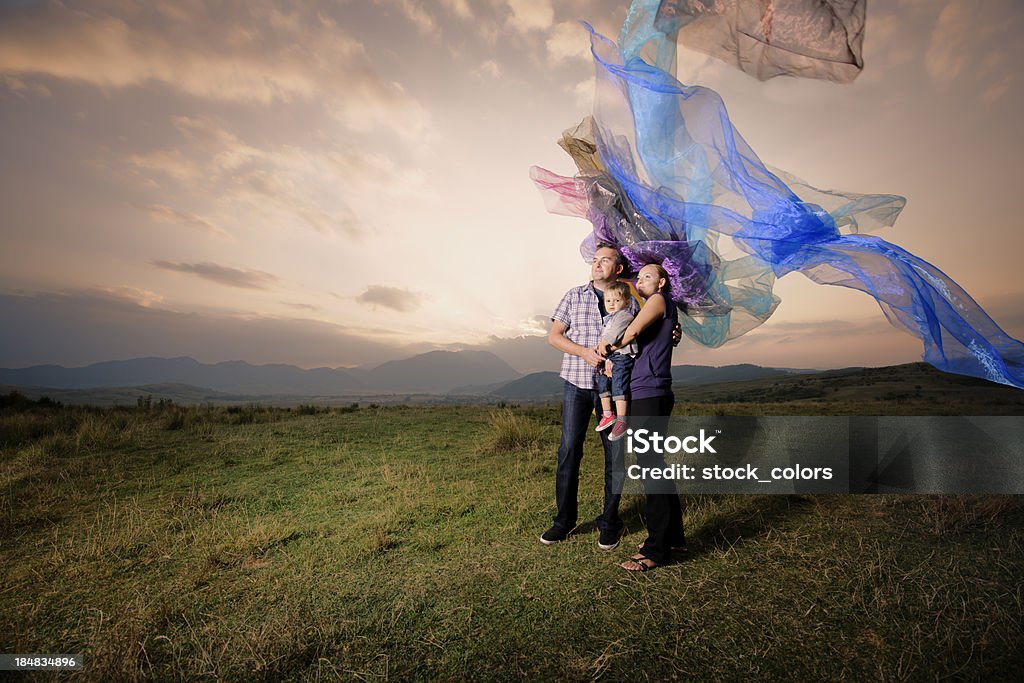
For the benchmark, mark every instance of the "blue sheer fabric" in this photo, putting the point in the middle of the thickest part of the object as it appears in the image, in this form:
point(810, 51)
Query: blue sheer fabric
point(664, 175)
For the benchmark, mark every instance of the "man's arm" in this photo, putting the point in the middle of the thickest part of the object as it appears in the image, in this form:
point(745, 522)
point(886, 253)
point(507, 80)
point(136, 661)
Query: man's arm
point(557, 338)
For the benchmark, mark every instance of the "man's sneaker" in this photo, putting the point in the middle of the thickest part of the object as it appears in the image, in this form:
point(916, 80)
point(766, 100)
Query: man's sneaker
point(618, 431)
point(605, 422)
point(608, 540)
point(552, 536)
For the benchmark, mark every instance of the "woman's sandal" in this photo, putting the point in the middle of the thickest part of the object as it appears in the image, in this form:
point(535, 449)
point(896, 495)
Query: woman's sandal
point(639, 561)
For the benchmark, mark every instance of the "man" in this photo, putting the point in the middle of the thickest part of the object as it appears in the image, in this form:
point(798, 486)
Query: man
point(575, 330)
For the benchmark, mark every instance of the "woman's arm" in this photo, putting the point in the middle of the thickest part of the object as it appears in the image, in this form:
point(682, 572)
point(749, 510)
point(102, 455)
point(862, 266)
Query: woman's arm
point(652, 310)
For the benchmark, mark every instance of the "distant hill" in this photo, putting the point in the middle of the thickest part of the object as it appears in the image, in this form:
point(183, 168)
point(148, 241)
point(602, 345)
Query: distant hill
point(916, 383)
point(186, 395)
point(907, 382)
point(703, 374)
point(544, 385)
point(536, 385)
point(439, 372)
point(755, 384)
point(230, 376)
point(434, 372)
point(182, 394)
point(478, 389)
point(469, 377)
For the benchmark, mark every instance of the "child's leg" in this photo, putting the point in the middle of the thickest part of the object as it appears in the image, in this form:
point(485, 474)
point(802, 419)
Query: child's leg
point(607, 418)
point(604, 389)
point(622, 367)
point(621, 407)
point(622, 371)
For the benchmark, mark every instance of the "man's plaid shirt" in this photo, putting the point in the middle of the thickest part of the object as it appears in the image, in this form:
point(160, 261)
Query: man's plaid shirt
point(580, 313)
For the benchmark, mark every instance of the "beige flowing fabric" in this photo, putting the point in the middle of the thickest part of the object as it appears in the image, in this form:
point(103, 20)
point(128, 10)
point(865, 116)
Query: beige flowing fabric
point(766, 38)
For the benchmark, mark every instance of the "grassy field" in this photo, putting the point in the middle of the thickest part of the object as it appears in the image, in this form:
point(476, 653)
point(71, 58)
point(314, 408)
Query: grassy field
point(397, 542)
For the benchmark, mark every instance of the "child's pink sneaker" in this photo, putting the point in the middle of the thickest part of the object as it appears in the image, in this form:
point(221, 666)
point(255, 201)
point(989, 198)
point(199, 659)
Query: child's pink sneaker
point(618, 431)
point(605, 422)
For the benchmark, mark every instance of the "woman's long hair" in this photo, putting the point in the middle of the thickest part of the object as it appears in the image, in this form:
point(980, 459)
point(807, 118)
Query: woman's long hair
point(666, 291)
point(663, 274)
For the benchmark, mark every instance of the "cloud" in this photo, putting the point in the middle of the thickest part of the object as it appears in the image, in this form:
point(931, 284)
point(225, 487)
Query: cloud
point(170, 215)
point(125, 322)
point(996, 91)
point(171, 163)
point(892, 40)
point(301, 306)
point(142, 297)
point(810, 344)
point(525, 353)
point(970, 39)
point(227, 152)
point(21, 89)
point(488, 70)
point(1007, 311)
point(128, 323)
point(459, 8)
point(113, 325)
point(538, 324)
point(275, 181)
point(414, 11)
point(264, 189)
point(530, 15)
point(948, 52)
point(299, 73)
point(567, 41)
point(401, 300)
point(583, 93)
point(326, 186)
point(224, 275)
point(269, 55)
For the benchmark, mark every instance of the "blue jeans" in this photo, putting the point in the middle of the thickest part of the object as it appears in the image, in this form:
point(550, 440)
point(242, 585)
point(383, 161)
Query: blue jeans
point(618, 386)
point(578, 405)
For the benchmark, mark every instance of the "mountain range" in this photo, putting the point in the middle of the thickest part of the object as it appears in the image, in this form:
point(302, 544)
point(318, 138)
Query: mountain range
point(433, 372)
point(893, 385)
point(455, 373)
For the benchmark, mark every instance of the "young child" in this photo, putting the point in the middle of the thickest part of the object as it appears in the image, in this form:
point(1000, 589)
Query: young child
point(616, 298)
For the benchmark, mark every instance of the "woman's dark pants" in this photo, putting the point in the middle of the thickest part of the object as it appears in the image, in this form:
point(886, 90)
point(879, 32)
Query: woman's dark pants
point(664, 513)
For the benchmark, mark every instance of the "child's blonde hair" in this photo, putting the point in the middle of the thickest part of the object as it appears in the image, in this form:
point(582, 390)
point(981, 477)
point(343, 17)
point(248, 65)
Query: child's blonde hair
point(621, 288)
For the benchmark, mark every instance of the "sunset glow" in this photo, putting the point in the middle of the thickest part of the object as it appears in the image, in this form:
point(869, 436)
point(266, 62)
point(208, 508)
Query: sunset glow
point(345, 183)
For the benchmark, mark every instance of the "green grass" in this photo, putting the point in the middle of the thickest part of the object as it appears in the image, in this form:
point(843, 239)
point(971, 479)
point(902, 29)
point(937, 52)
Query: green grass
point(399, 542)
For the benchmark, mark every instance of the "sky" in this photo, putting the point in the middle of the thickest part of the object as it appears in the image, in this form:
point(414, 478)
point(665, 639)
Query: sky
point(344, 183)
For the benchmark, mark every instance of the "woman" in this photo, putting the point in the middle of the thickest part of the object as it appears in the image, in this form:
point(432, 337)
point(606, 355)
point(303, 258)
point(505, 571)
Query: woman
point(652, 398)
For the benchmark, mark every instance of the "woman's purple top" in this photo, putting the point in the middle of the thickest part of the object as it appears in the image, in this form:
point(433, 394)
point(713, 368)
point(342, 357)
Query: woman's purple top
point(652, 372)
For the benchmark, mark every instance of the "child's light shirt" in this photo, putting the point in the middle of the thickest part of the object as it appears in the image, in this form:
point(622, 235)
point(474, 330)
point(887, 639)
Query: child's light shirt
point(614, 325)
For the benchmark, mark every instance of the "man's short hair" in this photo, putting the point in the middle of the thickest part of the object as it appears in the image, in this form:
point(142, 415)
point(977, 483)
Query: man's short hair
point(620, 260)
point(621, 288)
